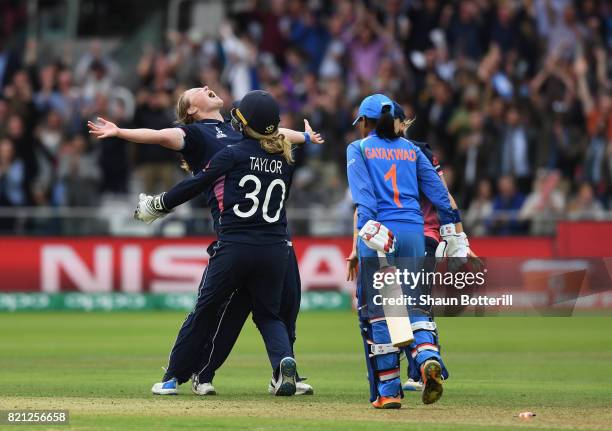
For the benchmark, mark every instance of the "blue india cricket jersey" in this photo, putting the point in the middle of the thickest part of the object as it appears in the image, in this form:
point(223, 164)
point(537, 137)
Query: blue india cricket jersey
point(385, 178)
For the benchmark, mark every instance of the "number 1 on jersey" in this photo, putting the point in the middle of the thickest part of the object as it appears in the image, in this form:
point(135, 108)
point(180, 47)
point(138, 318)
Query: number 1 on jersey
point(392, 174)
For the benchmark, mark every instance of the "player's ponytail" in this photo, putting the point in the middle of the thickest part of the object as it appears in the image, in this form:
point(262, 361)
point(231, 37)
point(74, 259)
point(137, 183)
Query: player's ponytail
point(385, 125)
point(276, 143)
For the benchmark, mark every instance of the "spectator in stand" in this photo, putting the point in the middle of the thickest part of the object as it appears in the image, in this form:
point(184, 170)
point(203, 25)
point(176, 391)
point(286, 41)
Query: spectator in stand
point(94, 67)
point(503, 33)
point(44, 97)
point(50, 135)
point(97, 81)
point(328, 113)
point(241, 56)
point(436, 114)
point(9, 61)
point(77, 184)
point(466, 30)
point(333, 58)
point(78, 174)
point(480, 210)
point(506, 207)
point(560, 144)
point(545, 204)
point(584, 206)
point(308, 33)
point(157, 166)
point(272, 27)
point(474, 157)
point(114, 156)
point(565, 31)
point(367, 43)
point(423, 20)
point(598, 115)
point(515, 149)
point(12, 182)
point(26, 146)
point(19, 96)
point(12, 176)
point(67, 101)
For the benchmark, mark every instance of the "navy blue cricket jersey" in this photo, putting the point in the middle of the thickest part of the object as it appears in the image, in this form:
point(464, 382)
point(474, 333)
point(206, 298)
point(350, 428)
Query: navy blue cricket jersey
point(428, 152)
point(205, 138)
point(250, 187)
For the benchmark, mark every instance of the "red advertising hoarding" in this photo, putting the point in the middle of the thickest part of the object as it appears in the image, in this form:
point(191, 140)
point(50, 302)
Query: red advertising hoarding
point(135, 265)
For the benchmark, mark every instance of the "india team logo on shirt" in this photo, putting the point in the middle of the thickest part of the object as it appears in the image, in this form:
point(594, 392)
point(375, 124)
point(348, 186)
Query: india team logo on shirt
point(220, 133)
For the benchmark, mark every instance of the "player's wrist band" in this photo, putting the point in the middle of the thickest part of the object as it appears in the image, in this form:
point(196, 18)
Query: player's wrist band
point(307, 138)
point(159, 205)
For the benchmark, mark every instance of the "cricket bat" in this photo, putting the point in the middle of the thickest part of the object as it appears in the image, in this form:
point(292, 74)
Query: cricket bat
point(396, 315)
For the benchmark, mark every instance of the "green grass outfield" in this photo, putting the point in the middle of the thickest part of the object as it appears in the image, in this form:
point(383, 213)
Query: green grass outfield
point(100, 366)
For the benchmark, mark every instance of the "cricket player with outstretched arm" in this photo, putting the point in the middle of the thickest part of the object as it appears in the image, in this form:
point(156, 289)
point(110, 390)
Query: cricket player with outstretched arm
point(201, 133)
point(386, 174)
point(250, 182)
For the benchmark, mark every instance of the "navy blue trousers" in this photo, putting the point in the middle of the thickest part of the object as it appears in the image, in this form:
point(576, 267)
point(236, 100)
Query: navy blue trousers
point(233, 269)
point(232, 316)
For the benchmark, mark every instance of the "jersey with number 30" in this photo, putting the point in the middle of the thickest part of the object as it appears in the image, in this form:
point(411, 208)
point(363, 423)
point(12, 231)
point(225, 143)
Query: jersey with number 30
point(248, 194)
point(386, 176)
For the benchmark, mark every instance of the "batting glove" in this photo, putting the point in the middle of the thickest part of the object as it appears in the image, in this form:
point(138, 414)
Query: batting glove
point(377, 237)
point(453, 244)
point(150, 208)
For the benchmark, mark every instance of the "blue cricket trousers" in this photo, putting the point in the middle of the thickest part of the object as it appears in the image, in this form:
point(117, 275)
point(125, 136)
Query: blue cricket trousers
point(260, 270)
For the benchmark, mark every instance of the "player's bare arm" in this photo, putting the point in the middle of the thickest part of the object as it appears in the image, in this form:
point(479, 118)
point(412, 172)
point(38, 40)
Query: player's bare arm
point(352, 262)
point(171, 138)
point(459, 225)
point(299, 138)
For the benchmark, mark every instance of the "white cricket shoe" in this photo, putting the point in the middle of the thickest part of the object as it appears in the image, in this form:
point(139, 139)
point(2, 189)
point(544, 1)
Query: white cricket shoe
point(285, 385)
point(203, 388)
point(411, 385)
point(198, 388)
point(169, 387)
point(301, 388)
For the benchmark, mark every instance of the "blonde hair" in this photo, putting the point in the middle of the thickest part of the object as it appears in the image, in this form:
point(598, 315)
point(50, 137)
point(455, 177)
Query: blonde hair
point(182, 117)
point(408, 122)
point(275, 143)
point(182, 106)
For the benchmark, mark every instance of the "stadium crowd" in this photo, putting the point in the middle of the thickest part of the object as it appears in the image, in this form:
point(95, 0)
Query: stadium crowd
point(513, 95)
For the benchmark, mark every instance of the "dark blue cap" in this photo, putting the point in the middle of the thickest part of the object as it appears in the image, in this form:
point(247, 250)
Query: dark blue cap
point(372, 107)
point(260, 111)
point(398, 111)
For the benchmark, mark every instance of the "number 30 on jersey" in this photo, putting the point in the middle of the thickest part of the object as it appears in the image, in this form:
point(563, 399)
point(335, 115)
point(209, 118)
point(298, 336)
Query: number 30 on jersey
point(253, 196)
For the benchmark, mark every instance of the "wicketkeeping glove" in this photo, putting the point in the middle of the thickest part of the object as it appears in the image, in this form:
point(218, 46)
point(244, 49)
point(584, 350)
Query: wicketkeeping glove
point(150, 208)
point(453, 244)
point(377, 237)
